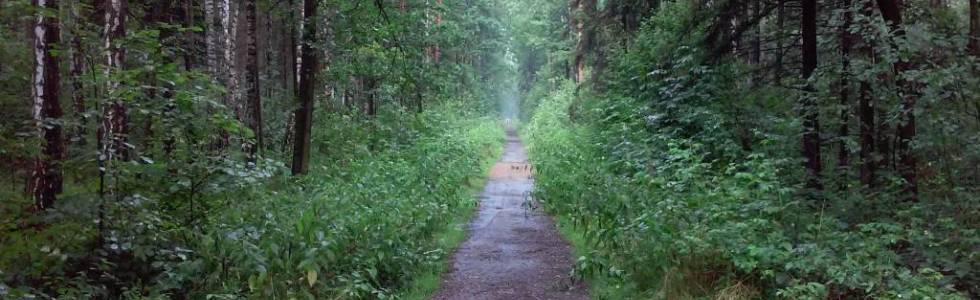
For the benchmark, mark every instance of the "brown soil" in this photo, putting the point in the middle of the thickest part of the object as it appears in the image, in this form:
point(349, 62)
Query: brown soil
point(513, 251)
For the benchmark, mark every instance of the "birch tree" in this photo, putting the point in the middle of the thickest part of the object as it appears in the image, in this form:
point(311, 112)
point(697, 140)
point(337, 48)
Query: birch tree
point(114, 127)
point(46, 176)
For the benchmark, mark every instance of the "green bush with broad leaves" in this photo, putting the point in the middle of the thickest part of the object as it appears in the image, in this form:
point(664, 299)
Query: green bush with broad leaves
point(361, 226)
point(679, 224)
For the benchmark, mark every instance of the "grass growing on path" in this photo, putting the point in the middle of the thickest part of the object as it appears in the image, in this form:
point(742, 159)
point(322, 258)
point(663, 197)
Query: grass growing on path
point(448, 239)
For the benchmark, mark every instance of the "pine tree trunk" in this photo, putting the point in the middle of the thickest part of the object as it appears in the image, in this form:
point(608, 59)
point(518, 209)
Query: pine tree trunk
point(780, 26)
point(583, 33)
point(811, 119)
point(189, 36)
point(866, 113)
point(307, 78)
point(756, 57)
point(46, 178)
point(843, 154)
point(436, 51)
point(975, 28)
point(253, 113)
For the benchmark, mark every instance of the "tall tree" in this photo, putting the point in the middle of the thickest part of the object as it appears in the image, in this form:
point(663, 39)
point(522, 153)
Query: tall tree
point(811, 118)
point(307, 77)
point(229, 24)
point(843, 154)
point(253, 109)
point(975, 27)
point(114, 128)
point(866, 110)
point(46, 178)
point(212, 36)
point(189, 36)
point(584, 13)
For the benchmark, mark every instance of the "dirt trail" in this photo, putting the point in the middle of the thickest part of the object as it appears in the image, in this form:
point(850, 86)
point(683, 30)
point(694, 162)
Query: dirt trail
point(513, 251)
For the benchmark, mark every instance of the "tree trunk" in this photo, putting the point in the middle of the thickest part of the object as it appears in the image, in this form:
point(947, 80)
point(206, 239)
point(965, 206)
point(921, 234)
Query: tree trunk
point(436, 51)
point(583, 33)
point(188, 6)
point(975, 28)
point(114, 128)
point(46, 179)
point(253, 112)
point(307, 78)
point(780, 31)
point(866, 113)
point(843, 154)
point(229, 23)
point(811, 119)
point(294, 64)
point(756, 57)
point(212, 38)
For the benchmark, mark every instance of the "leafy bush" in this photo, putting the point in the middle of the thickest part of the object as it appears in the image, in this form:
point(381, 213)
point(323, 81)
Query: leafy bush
point(673, 220)
point(359, 231)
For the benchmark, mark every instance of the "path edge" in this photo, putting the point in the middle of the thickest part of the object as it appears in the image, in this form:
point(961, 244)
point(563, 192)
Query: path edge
point(427, 281)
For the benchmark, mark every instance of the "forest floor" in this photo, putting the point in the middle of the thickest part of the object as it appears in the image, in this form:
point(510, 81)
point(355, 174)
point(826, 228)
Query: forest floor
point(513, 250)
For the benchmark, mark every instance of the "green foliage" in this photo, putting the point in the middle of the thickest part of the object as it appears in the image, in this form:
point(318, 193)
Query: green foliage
point(191, 214)
point(676, 166)
point(362, 226)
point(660, 212)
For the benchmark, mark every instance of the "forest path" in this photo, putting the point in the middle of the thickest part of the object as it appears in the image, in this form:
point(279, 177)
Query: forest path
point(513, 250)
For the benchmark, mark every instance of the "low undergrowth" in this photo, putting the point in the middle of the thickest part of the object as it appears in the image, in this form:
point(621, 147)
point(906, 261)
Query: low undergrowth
point(363, 225)
point(655, 216)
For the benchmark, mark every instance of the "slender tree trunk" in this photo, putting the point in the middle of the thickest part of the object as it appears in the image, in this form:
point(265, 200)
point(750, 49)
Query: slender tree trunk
point(583, 33)
point(780, 31)
point(756, 57)
point(46, 179)
point(294, 47)
point(253, 115)
point(114, 129)
point(229, 22)
point(906, 129)
point(843, 154)
point(975, 28)
point(436, 51)
point(304, 114)
point(811, 119)
point(189, 36)
point(866, 113)
point(212, 38)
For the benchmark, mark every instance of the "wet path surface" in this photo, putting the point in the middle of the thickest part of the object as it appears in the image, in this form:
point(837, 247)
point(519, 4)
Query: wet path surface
point(513, 250)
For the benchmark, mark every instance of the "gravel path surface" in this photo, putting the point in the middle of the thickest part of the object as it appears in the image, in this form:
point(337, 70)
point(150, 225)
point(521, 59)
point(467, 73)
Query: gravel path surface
point(513, 250)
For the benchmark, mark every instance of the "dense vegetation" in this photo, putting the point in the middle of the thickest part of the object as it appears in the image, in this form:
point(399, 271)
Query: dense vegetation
point(759, 148)
point(225, 149)
point(328, 149)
